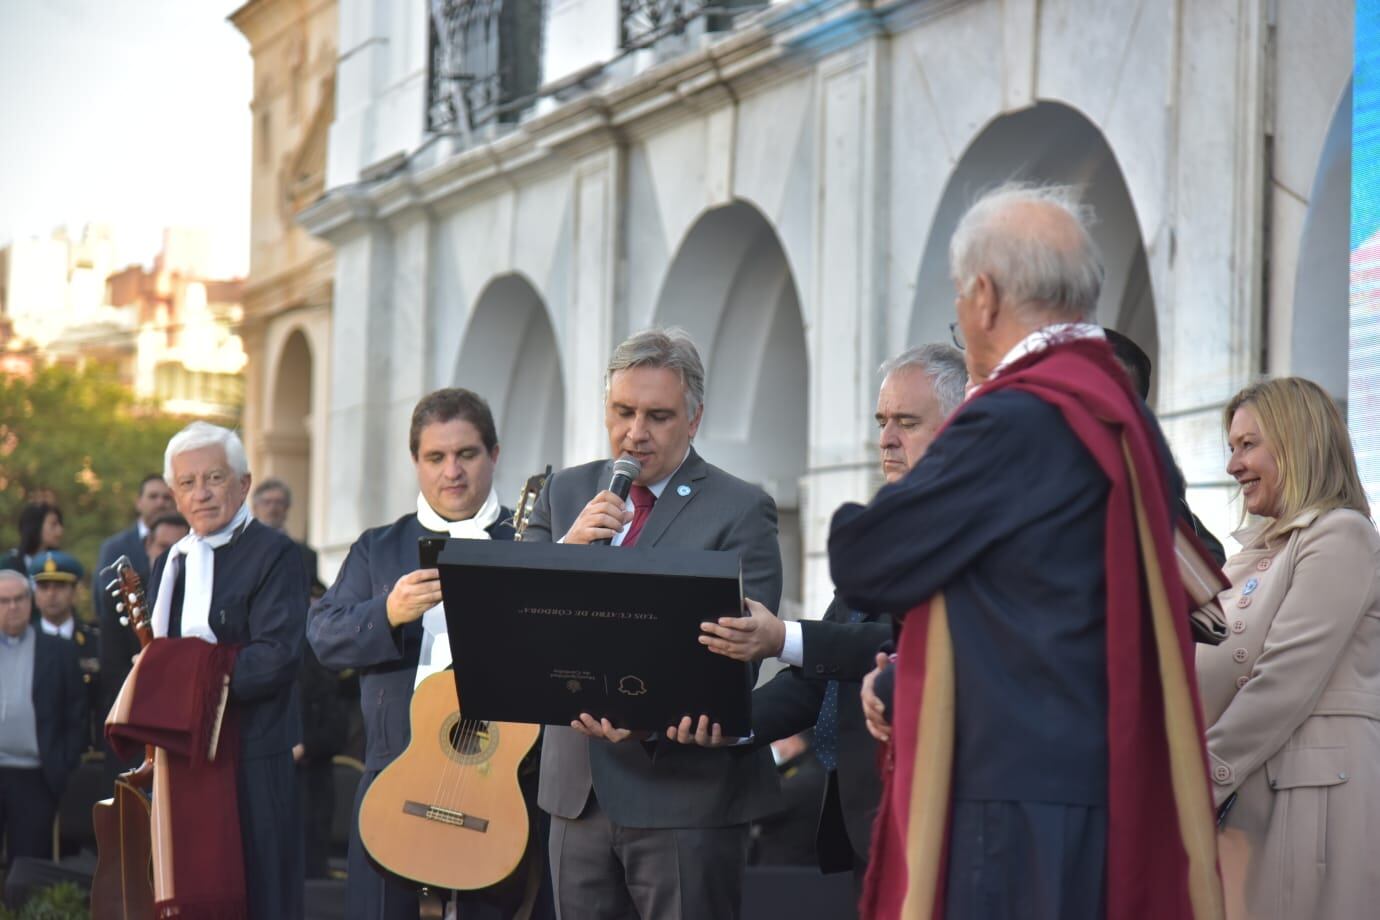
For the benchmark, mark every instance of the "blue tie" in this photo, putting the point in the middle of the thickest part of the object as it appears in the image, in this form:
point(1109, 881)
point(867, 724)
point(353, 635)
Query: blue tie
point(827, 725)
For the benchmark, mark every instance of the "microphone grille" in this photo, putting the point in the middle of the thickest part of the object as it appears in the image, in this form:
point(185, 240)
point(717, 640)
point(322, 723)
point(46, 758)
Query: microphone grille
point(627, 466)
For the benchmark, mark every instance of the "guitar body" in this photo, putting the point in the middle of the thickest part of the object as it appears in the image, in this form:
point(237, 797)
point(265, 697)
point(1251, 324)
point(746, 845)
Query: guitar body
point(448, 813)
point(122, 888)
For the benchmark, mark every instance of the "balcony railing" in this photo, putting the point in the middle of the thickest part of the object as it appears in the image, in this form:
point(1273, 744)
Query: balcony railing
point(645, 22)
point(485, 62)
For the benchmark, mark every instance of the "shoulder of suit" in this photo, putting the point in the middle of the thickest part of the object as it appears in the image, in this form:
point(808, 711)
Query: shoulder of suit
point(579, 474)
point(723, 481)
point(385, 532)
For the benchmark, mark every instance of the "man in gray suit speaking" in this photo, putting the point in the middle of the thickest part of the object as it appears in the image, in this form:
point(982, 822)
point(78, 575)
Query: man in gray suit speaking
point(644, 827)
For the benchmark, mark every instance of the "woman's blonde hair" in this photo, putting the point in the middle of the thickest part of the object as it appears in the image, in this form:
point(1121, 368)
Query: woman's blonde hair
point(1308, 438)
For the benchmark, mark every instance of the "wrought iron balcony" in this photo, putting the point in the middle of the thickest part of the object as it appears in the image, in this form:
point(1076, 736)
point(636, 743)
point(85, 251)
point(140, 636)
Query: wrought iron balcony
point(485, 62)
point(644, 22)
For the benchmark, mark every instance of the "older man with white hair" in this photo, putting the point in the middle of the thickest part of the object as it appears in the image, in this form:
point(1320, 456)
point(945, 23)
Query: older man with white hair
point(234, 582)
point(1046, 747)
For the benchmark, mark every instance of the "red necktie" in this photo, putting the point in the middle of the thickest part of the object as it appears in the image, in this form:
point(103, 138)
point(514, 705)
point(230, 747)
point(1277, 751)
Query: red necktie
point(643, 499)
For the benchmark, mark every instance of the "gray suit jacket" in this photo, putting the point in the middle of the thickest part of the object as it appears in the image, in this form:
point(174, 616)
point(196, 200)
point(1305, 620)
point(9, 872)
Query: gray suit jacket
point(666, 784)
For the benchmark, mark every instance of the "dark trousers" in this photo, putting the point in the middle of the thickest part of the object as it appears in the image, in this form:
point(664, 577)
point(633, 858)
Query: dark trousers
point(27, 807)
point(1026, 861)
point(372, 893)
point(603, 871)
point(271, 832)
point(316, 792)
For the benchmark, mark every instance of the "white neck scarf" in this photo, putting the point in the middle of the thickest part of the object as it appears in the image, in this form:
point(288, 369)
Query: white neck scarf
point(201, 575)
point(435, 655)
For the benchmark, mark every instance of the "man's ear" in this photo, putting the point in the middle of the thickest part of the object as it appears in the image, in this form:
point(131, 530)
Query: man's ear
point(987, 302)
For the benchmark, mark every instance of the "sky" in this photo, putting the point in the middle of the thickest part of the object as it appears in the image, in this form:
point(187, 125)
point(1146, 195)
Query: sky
point(129, 112)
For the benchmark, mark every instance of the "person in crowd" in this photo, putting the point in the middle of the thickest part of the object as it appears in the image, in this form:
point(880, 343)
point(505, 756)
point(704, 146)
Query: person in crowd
point(43, 722)
point(234, 581)
point(40, 528)
point(378, 618)
point(164, 531)
point(1292, 698)
point(1047, 755)
point(635, 834)
point(119, 645)
point(828, 658)
point(272, 500)
point(55, 579)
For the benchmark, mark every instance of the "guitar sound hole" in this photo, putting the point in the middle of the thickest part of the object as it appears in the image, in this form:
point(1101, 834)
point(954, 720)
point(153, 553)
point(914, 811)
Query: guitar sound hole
point(469, 741)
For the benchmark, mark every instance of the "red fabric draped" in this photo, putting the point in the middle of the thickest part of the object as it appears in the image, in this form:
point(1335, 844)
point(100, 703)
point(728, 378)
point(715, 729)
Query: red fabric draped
point(1161, 856)
point(175, 699)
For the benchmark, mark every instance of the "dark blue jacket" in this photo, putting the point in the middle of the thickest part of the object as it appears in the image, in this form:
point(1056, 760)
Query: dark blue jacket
point(1006, 514)
point(60, 708)
point(348, 628)
point(259, 601)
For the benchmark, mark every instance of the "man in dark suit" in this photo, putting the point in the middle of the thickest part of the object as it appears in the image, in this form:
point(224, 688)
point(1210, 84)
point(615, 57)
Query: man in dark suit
point(829, 657)
point(154, 499)
point(236, 582)
point(55, 578)
point(378, 618)
point(1034, 701)
point(43, 722)
point(653, 829)
point(272, 500)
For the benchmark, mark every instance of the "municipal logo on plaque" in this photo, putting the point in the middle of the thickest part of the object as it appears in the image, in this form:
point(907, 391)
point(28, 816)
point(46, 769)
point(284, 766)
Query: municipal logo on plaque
point(632, 685)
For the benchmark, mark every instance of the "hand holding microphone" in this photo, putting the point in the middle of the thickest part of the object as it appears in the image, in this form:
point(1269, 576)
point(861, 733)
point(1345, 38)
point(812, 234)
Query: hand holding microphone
point(606, 514)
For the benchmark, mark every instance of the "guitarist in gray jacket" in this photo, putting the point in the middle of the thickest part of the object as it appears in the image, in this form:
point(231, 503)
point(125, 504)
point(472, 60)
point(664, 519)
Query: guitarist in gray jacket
point(643, 827)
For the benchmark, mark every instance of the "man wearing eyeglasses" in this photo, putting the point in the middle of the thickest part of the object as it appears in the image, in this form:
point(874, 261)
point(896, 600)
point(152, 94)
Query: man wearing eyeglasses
point(43, 713)
point(234, 582)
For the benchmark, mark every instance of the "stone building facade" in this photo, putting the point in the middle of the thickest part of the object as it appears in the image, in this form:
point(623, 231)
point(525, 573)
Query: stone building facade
point(287, 296)
point(782, 181)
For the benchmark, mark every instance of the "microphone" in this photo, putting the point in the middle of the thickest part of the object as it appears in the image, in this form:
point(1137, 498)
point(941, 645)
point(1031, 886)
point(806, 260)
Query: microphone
point(625, 470)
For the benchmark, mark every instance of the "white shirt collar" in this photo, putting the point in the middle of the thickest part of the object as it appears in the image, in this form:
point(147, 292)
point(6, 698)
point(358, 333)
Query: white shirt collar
point(1045, 336)
point(143, 528)
point(67, 630)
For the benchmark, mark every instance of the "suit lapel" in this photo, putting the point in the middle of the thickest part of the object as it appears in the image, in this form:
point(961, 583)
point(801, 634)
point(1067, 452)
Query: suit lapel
point(683, 489)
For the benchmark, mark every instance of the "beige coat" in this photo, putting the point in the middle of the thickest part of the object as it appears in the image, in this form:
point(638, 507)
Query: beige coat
point(1292, 701)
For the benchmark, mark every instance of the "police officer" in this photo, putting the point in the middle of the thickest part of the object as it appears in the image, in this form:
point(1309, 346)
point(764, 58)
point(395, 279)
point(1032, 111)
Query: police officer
point(55, 577)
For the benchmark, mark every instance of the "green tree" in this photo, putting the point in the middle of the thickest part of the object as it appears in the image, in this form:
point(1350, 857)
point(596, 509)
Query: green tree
point(81, 437)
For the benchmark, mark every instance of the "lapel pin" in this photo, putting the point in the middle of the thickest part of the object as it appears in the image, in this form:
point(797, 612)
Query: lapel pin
point(682, 490)
point(1251, 585)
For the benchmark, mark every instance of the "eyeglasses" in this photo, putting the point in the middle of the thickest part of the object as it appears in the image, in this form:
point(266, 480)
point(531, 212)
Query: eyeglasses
point(957, 334)
point(214, 480)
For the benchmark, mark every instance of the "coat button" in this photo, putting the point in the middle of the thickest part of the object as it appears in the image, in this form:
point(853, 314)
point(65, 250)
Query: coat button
point(1241, 681)
point(819, 669)
point(1222, 774)
point(1263, 564)
point(1240, 655)
point(1341, 776)
point(1243, 602)
point(1238, 626)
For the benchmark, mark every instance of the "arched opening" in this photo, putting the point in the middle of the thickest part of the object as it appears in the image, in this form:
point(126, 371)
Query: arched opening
point(509, 357)
point(288, 446)
point(731, 288)
point(1048, 144)
point(1319, 333)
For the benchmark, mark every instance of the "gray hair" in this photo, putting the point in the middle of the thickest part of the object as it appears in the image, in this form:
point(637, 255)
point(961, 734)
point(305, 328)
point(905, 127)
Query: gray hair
point(273, 485)
point(20, 577)
point(671, 348)
point(1059, 271)
point(943, 364)
point(203, 434)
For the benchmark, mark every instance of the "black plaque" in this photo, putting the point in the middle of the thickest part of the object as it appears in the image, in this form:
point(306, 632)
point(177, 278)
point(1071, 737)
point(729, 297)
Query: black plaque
point(541, 632)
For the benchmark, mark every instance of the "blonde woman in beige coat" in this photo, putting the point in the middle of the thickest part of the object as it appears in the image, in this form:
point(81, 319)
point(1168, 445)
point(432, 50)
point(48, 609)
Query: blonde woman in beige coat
point(1292, 697)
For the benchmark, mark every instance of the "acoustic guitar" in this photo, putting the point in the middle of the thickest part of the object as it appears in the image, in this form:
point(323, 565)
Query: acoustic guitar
point(122, 887)
point(448, 813)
